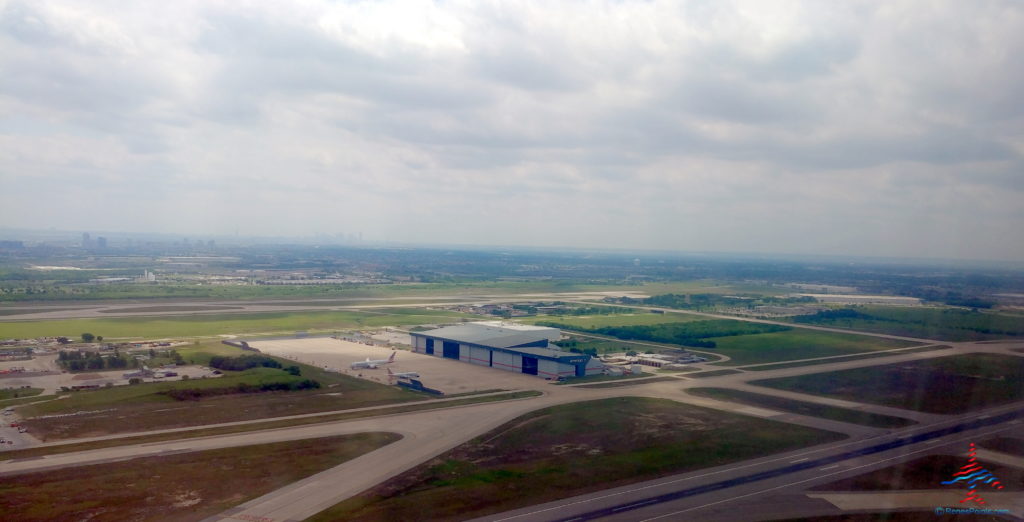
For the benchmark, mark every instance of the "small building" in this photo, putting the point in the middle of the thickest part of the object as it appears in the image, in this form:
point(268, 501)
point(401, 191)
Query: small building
point(509, 347)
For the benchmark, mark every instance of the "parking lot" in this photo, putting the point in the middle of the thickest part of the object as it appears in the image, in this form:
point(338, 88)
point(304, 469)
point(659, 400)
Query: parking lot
point(449, 376)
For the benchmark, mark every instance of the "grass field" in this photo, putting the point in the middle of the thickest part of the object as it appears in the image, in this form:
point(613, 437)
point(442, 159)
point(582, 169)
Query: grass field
point(220, 324)
point(598, 321)
point(1006, 445)
point(572, 449)
point(16, 393)
point(797, 344)
point(97, 292)
point(843, 358)
point(124, 409)
point(803, 408)
point(945, 385)
point(712, 373)
point(185, 487)
point(950, 324)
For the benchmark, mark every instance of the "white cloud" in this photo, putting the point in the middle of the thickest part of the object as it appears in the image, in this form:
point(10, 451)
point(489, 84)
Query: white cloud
point(859, 128)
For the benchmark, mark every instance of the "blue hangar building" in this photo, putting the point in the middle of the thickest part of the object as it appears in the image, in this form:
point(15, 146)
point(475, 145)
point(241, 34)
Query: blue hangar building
point(511, 347)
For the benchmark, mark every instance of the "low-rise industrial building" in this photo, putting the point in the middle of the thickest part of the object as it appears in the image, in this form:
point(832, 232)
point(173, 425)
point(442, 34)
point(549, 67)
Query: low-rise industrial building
point(510, 347)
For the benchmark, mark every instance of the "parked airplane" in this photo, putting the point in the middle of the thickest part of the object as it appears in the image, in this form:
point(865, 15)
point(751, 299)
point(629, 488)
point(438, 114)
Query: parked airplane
point(406, 375)
point(373, 364)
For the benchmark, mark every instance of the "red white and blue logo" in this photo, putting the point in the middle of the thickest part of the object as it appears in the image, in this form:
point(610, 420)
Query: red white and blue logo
point(972, 475)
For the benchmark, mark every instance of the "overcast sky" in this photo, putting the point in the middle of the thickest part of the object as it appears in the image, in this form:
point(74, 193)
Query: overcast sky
point(866, 128)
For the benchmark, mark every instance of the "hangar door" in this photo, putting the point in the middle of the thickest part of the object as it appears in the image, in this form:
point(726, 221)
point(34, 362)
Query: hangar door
point(530, 365)
point(430, 347)
point(451, 350)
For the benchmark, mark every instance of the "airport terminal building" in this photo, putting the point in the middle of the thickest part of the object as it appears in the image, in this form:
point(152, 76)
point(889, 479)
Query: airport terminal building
point(510, 347)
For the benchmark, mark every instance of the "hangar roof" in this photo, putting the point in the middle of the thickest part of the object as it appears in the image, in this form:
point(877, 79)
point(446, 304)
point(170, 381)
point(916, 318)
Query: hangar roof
point(488, 335)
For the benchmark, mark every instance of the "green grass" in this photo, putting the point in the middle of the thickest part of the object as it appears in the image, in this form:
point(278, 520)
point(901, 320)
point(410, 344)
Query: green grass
point(166, 487)
point(797, 344)
point(945, 385)
point(1008, 445)
point(19, 392)
point(803, 408)
point(25, 400)
point(220, 324)
point(620, 383)
point(712, 373)
point(844, 358)
point(569, 450)
point(950, 324)
point(601, 378)
point(63, 292)
point(598, 321)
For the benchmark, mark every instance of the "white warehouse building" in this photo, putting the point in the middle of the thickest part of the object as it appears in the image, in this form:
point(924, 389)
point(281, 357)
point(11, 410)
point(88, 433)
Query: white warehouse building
point(510, 347)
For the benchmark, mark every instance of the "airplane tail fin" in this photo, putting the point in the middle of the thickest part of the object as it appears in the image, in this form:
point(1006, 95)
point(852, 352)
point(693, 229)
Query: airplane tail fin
point(392, 358)
point(390, 373)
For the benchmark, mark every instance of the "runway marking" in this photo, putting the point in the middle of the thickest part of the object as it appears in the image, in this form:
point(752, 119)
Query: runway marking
point(910, 431)
point(799, 460)
point(828, 468)
point(812, 479)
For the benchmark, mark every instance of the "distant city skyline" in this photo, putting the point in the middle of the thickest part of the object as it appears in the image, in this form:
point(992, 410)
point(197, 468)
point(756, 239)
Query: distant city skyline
point(858, 128)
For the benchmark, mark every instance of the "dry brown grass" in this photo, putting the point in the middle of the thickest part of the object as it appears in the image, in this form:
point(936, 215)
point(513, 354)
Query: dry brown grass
point(181, 487)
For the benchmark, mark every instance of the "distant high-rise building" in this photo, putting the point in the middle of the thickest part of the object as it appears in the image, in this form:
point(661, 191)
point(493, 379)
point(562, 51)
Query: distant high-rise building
point(86, 240)
point(101, 242)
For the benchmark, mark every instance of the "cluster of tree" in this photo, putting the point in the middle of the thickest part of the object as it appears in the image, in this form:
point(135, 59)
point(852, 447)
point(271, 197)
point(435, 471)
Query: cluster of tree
point(88, 338)
point(194, 394)
point(693, 334)
point(710, 301)
point(837, 315)
point(573, 345)
point(78, 361)
point(243, 362)
point(592, 310)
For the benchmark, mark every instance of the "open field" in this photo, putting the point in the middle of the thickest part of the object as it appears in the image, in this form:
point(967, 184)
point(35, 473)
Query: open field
point(568, 450)
point(25, 400)
point(19, 392)
point(1008, 445)
point(599, 321)
point(924, 473)
point(843, 358)
point(85, 292)
point(191, 486)
point(803, 408)
point(745, 346)
point(146, 406)
point(220, 324)
point(944, 385)
point(950, 324)
point(618, 382)
point(797, 344)
point(712, 373)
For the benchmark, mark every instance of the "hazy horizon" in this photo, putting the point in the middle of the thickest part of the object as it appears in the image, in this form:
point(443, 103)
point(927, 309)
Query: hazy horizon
point(858, 129)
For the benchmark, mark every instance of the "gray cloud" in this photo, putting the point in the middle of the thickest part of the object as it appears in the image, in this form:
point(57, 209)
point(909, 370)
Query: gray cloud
point(658, 124)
